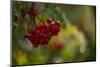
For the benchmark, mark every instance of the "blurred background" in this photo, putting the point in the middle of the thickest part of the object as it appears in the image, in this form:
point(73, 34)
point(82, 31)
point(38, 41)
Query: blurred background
point(75, 42)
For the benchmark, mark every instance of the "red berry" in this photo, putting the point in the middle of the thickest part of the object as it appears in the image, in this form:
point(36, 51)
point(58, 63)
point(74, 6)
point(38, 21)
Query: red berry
point(32, 13)
point(49, 20)
point(57, 23)
point(45, 38)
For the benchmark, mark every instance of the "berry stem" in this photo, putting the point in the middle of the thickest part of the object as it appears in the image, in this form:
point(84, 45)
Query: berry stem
point(34, 20)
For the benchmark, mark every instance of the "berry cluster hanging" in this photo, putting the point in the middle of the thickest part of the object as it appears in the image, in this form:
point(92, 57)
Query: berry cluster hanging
point(41, 33)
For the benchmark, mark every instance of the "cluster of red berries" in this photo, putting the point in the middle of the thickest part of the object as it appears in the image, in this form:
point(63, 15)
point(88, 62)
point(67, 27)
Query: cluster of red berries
point(40, 34)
